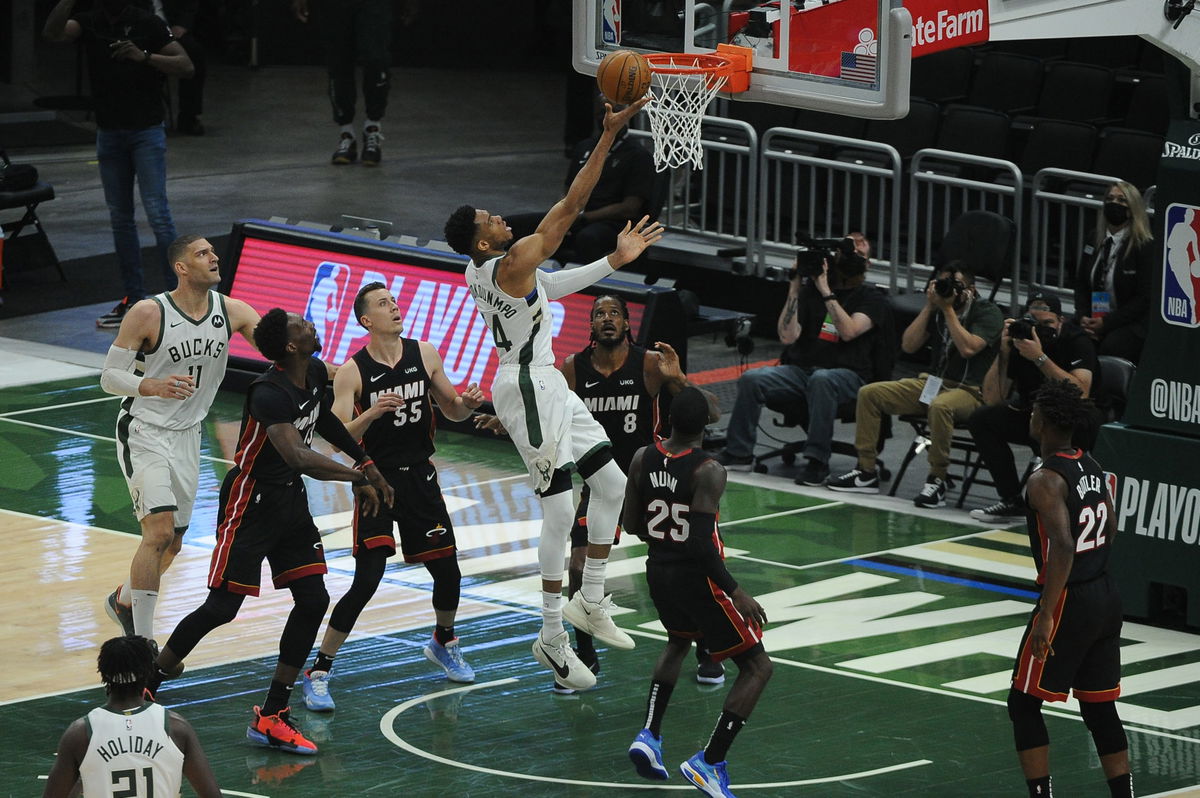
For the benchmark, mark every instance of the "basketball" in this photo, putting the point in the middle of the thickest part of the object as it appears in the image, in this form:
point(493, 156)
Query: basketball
point(623, 76)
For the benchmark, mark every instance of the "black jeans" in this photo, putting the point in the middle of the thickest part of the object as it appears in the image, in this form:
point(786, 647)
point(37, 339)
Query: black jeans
point(357, 33)
point(994, 427)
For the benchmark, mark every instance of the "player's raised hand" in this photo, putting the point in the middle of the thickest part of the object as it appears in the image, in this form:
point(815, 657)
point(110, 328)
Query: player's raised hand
point(385, 403)
point(472, 397)
point(176, 386)
point(668, 362)
point(380, 486)
point(633, 240)
point(615, 120)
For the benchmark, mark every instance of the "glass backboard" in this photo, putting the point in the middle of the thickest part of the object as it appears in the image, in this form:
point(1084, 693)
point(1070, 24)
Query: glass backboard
point(842, 56)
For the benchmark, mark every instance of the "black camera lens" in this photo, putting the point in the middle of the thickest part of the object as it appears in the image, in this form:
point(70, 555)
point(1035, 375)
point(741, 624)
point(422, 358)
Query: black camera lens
point(1022, 328)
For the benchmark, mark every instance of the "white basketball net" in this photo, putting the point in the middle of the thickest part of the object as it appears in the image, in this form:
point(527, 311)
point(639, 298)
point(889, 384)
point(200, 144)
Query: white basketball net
point(680, 100)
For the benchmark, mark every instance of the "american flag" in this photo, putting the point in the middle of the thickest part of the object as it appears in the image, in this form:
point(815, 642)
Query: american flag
point(858, 67)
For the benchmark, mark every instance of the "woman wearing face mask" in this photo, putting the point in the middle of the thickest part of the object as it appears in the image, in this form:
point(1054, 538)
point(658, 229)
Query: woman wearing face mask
point(1114, 279)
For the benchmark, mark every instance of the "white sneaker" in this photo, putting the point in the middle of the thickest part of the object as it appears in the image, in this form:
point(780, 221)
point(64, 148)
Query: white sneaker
point(595, 619)
point(558, 656)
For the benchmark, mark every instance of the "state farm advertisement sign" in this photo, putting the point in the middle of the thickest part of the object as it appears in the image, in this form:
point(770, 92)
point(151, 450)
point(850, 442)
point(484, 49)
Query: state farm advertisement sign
point(321, 285)
point(944, 24)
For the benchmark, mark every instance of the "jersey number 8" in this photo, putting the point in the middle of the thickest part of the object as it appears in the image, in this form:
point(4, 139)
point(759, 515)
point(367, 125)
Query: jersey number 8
point(662, 511)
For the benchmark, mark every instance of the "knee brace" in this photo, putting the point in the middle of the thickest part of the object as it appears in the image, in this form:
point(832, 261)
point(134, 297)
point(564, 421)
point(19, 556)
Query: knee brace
point(1029, 728)
point(447, 579)
point(368, 571)
point(310, 597)
point(1101, 719)
point(558, 513)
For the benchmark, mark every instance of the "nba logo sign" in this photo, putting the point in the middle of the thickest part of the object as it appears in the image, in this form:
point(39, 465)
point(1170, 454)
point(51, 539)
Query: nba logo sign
point(331, 283)
point(1181, 267)
point(610, 25)
point(1110, 480)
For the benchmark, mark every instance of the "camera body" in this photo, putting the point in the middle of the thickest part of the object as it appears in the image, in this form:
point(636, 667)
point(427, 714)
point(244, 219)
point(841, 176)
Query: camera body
point(1023, 328)
point(946, 287)
point(812, 253)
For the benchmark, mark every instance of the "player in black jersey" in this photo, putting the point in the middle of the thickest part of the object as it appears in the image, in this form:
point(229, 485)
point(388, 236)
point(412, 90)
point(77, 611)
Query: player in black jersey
point(264, 513)
point(621, 384)
point(1072, 642)
point(385, 395)
point(671, 502)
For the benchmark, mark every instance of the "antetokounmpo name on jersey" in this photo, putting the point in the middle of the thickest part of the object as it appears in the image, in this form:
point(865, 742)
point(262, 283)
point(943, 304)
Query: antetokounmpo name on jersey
point(196, 347)
point(493, 301)
point(133, 744)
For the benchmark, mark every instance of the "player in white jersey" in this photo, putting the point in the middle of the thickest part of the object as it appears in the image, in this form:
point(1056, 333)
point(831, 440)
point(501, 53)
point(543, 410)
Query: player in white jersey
point(168, 360)
point(129, 746)
point(551, 427)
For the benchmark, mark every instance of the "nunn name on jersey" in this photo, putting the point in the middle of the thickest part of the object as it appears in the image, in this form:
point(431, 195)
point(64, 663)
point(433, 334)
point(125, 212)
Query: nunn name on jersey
point(662, 479)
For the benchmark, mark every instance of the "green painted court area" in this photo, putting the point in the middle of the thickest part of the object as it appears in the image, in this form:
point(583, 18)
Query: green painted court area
point(892, 634)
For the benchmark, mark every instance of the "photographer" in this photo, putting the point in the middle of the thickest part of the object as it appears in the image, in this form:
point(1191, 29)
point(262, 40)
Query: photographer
point(1033, 349)
point(826, 324)
point(1116, 275)
point(964, 330)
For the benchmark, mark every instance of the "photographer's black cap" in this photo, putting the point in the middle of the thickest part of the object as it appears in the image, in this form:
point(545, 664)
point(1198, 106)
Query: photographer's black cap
point(1049, 300)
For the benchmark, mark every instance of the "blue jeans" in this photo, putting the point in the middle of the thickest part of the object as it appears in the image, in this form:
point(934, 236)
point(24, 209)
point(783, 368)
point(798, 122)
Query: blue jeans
point(142, 154)
point(825, 389)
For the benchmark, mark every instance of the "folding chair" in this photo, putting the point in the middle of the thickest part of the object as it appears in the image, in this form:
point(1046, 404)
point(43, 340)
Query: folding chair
point(28, 199)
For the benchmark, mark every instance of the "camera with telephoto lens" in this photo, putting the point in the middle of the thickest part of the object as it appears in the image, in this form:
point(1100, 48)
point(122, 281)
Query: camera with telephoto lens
point(812, 253)
point(946, 287)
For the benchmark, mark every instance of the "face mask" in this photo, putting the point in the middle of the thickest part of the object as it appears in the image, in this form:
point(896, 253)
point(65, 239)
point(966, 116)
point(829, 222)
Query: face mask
point(1115, 213)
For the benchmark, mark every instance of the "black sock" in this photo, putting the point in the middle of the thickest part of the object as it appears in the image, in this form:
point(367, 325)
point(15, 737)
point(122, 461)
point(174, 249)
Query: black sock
point(656, 705)
point(324, 662)
point(1121, 786)
point(1039, 788)
point(278, 698)
point(443, 634)
point(585, 646)
point(728, 725)
point(156, 679)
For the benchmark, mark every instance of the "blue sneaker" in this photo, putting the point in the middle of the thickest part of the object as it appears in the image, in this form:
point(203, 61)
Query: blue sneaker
point(316, 691)
point(708, 779)
point(450, 658)
point(646, 754)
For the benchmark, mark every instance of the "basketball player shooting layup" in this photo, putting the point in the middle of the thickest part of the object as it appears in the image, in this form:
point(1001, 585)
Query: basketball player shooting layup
point(551, 427)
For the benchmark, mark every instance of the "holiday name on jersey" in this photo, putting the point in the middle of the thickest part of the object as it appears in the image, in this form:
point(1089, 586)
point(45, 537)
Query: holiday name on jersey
point(133, 744)
point(196, 347)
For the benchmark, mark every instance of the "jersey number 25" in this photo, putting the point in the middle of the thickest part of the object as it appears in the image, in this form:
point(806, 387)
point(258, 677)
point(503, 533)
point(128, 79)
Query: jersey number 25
point(667, 520)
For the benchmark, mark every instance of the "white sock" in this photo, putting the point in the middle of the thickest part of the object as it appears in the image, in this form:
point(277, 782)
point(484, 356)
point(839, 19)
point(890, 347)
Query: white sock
point(373, 123)
point(593, 579)
point(552, 624)
point(348, 130)
point(144, 602)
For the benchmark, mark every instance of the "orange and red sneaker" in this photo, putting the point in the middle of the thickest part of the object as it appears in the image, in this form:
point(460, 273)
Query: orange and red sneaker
point(277, 731)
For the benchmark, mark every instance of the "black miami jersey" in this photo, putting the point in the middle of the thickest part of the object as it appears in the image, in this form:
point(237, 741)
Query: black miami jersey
point(619, 402)
point(1087, 512)
point(668, 483)
point(404, 437)
point(274, 399)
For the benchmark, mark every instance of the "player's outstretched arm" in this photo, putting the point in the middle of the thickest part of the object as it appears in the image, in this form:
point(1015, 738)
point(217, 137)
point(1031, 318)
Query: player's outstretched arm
point(663, 369)
point(455, 406)
point(65, 772)
point(195, 763)
point(527, 254)
point(1047, 493)
point(631, 242)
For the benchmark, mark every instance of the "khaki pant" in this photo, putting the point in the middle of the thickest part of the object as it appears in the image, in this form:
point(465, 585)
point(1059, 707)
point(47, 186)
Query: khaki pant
point(954, 404)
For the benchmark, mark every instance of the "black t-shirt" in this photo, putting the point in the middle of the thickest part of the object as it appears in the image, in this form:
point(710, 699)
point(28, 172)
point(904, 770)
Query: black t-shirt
point(128, 94)
point(1087, 514)
point(619, 402)
point(1071, 350)
point(820, 346)
point(628, 172)
point(274, 399)
point(405, 437)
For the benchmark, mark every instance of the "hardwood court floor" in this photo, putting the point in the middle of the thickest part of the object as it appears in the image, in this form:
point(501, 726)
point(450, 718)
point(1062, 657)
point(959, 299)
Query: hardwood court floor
point(892, 634)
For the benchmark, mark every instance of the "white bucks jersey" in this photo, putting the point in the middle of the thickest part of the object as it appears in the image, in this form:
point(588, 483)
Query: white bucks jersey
point(131, 753)
point(190, 347)
point(521, 328)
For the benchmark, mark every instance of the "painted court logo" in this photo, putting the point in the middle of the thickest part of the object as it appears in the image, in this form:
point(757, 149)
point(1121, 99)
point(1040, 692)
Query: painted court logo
point(1181, 267)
